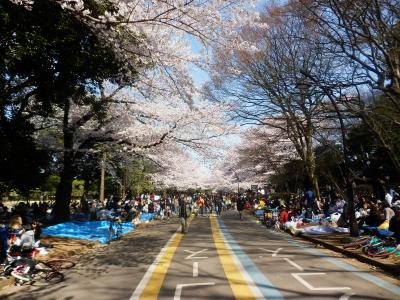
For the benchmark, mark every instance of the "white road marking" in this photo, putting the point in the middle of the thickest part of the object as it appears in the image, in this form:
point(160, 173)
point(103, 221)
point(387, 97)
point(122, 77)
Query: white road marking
point(275, 253)
point(195, 269)
point(311, 288)
point(255, 289)
point(193, 254)
point(142, 284)
point(346, 296)
point(293, 264)
point(179, 287)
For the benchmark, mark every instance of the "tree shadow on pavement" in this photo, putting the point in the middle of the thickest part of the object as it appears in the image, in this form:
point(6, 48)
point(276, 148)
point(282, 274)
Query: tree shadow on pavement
point(111, 271)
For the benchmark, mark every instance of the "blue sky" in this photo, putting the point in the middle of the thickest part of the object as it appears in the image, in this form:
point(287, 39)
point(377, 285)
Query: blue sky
point(200, 76)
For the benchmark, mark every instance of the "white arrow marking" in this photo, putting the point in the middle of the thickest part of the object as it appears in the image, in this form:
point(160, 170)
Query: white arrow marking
point(293, 264)
point(179, 287)
point(193, 254)
point(195, 269)
point(275, 253)
point(311, 288)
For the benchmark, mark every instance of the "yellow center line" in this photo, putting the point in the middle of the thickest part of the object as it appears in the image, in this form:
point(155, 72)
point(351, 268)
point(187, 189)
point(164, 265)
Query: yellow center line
point(239, 286)
point(153, 286)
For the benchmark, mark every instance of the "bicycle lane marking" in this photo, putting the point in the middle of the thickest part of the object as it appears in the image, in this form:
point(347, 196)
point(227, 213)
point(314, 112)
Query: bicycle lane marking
point(265, 286)
point(152, 281)
point(355, 271)
point(240, 282)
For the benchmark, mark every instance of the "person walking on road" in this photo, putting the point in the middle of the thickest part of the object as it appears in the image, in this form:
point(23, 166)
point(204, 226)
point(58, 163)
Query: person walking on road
point(200, 204)
point(184, 212)
point(218, 205)
point(240, 206)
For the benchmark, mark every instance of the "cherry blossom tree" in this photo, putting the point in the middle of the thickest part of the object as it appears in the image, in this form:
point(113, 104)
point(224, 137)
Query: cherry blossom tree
point(266, 87)
point(260, 154)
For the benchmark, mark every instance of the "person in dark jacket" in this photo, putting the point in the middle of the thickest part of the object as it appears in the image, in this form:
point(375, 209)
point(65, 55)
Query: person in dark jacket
point(394, 225)
point(184, 212)
point(240, 206)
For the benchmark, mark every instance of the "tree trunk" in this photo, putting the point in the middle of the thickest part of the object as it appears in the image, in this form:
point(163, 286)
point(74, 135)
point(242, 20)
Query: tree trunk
point(310, 167)
point(61, 211)
point(351, 209)
point(102, 178)
point(316, 187)
point(86, 188)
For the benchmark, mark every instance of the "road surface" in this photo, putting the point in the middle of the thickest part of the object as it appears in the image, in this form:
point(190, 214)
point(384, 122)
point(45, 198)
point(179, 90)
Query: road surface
point(220, 258)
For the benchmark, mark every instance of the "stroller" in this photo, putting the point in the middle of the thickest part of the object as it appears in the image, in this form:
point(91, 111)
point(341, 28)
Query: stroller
point(271, 217)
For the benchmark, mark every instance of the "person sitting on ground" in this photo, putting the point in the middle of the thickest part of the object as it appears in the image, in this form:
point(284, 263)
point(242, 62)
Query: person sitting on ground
point(388, 199)
point(36, 227)
point(136, 218)
point(9, 234)
point(394, 225)
point(3, 241)
point(388, 212)
point(325, 207)
point(292, 212)
point(332, 208)
point(283, 216)
point(340, 203)
point(15, 224)
point(373, 219)
point(385, 214)
point(364, 212)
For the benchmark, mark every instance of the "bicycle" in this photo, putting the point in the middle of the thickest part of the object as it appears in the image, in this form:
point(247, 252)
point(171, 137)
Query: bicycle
point(384, 248)
point(358, 243)
point(373, 242)
point(40, 273)
point(15, 256)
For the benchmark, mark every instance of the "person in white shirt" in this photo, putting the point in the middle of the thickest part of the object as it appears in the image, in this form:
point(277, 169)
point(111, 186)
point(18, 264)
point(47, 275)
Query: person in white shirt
point(388, 199)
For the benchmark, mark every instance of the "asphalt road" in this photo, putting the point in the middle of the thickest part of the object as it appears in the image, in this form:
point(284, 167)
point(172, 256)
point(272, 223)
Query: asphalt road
point(221, 257)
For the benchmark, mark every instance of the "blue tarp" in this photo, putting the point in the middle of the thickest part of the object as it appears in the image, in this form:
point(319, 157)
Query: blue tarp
point(88, 230)
point(377, 231)
point(147, 216)
point(84, 217)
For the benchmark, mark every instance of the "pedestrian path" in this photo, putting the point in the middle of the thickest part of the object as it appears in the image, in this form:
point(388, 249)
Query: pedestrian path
point(225, 258)
point(221, 257)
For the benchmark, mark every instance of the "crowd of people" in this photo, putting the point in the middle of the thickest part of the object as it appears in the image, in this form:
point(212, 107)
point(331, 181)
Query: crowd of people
point(16, 220)
point(370, 212)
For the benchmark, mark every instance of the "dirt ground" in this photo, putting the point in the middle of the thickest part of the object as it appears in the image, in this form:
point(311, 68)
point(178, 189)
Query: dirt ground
point(82, 250)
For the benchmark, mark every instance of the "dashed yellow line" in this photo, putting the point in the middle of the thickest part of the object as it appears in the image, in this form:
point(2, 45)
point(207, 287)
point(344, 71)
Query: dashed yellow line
point(239, 286)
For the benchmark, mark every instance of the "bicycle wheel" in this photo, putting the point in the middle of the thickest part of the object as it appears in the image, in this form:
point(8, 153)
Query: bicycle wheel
point(357, 244)
point(46, 278)
point(21, 274)
point(59, 264)
point(23, 270)
point(383, 252)
point(373, 243)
